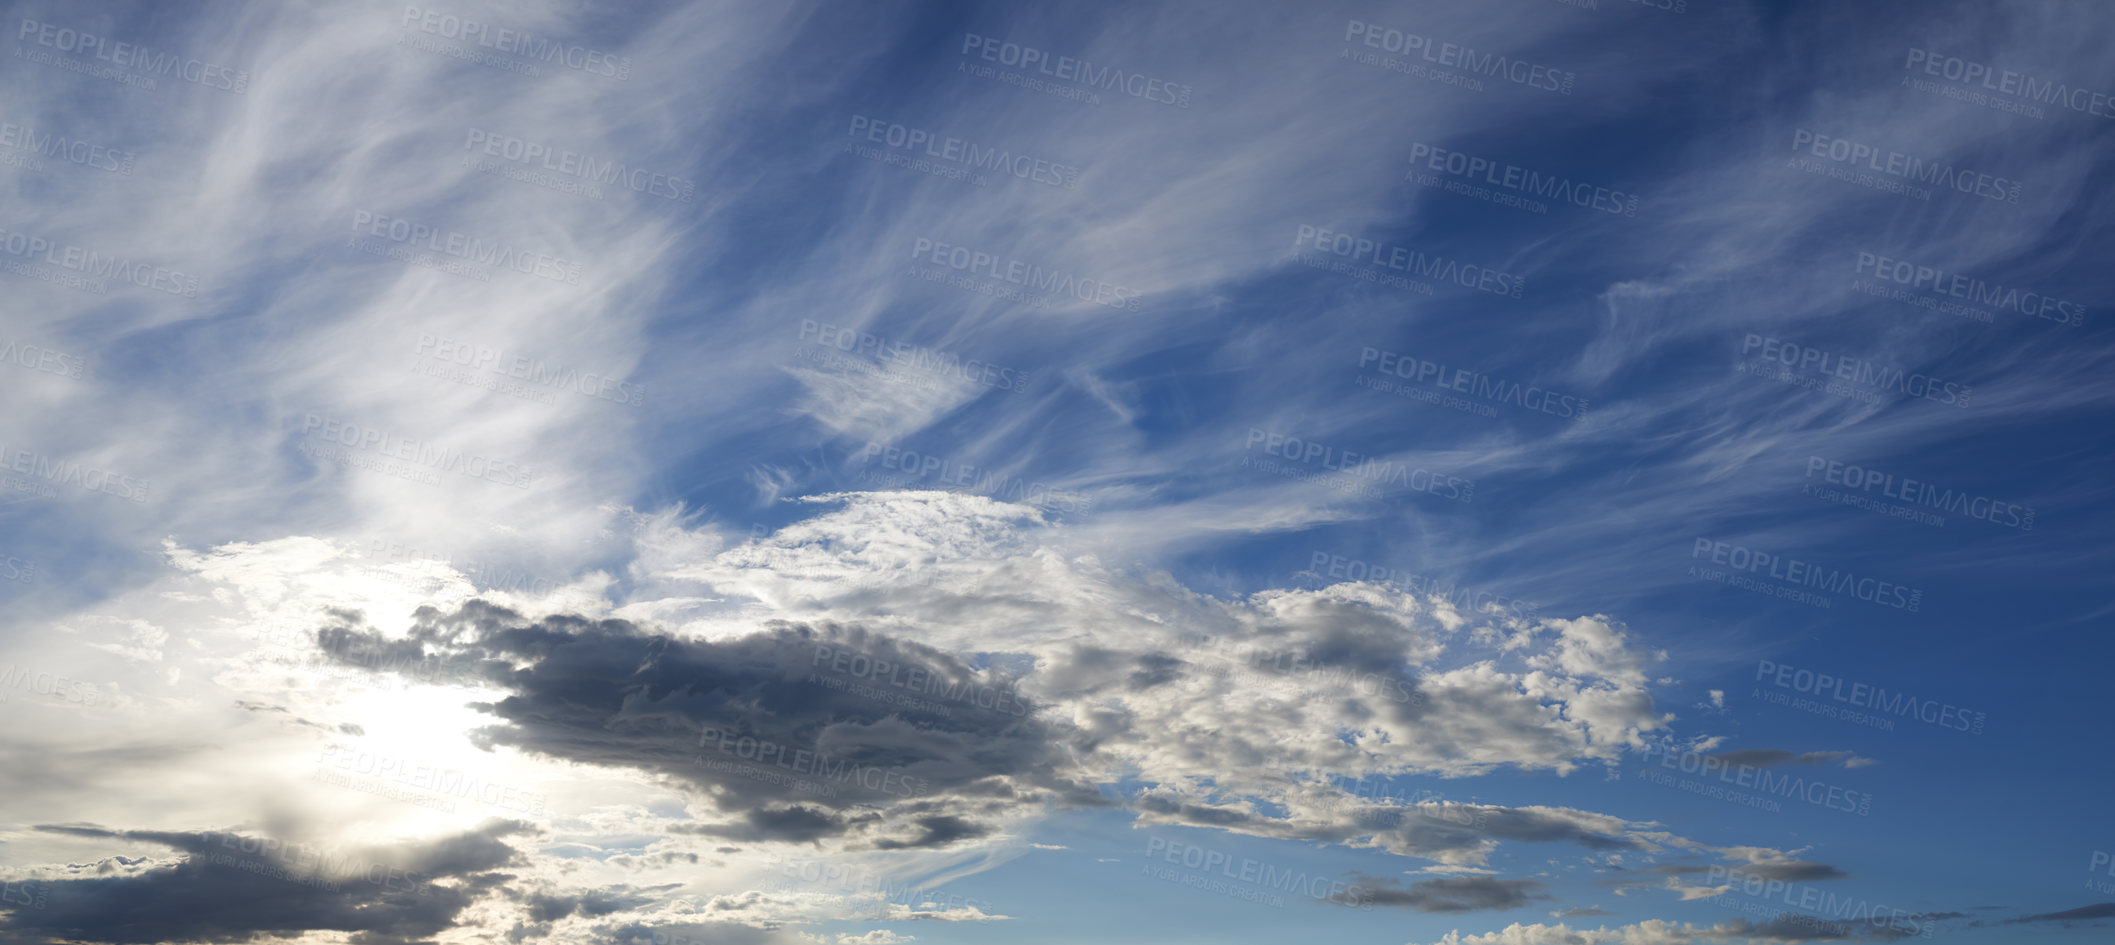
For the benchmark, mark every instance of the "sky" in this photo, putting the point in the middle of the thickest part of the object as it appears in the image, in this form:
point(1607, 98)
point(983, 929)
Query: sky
point(1482, 472)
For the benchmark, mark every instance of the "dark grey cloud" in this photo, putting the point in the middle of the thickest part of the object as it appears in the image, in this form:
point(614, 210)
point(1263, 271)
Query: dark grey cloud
point(2098, 910)
point(1449, 895)
point(233, 887)
point(774, 728)
point(1772, 757)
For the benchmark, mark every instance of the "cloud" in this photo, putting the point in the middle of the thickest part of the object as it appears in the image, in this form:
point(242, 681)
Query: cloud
point(1457, 894)
point(233, 887)
point(2098, 910)
point(1771, 757)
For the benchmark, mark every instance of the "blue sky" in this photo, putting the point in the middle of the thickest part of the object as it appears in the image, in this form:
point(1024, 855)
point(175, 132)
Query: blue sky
point(1506, 472)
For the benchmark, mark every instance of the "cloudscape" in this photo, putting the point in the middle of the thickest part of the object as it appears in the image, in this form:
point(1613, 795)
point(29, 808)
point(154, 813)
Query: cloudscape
point(1439, 472)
